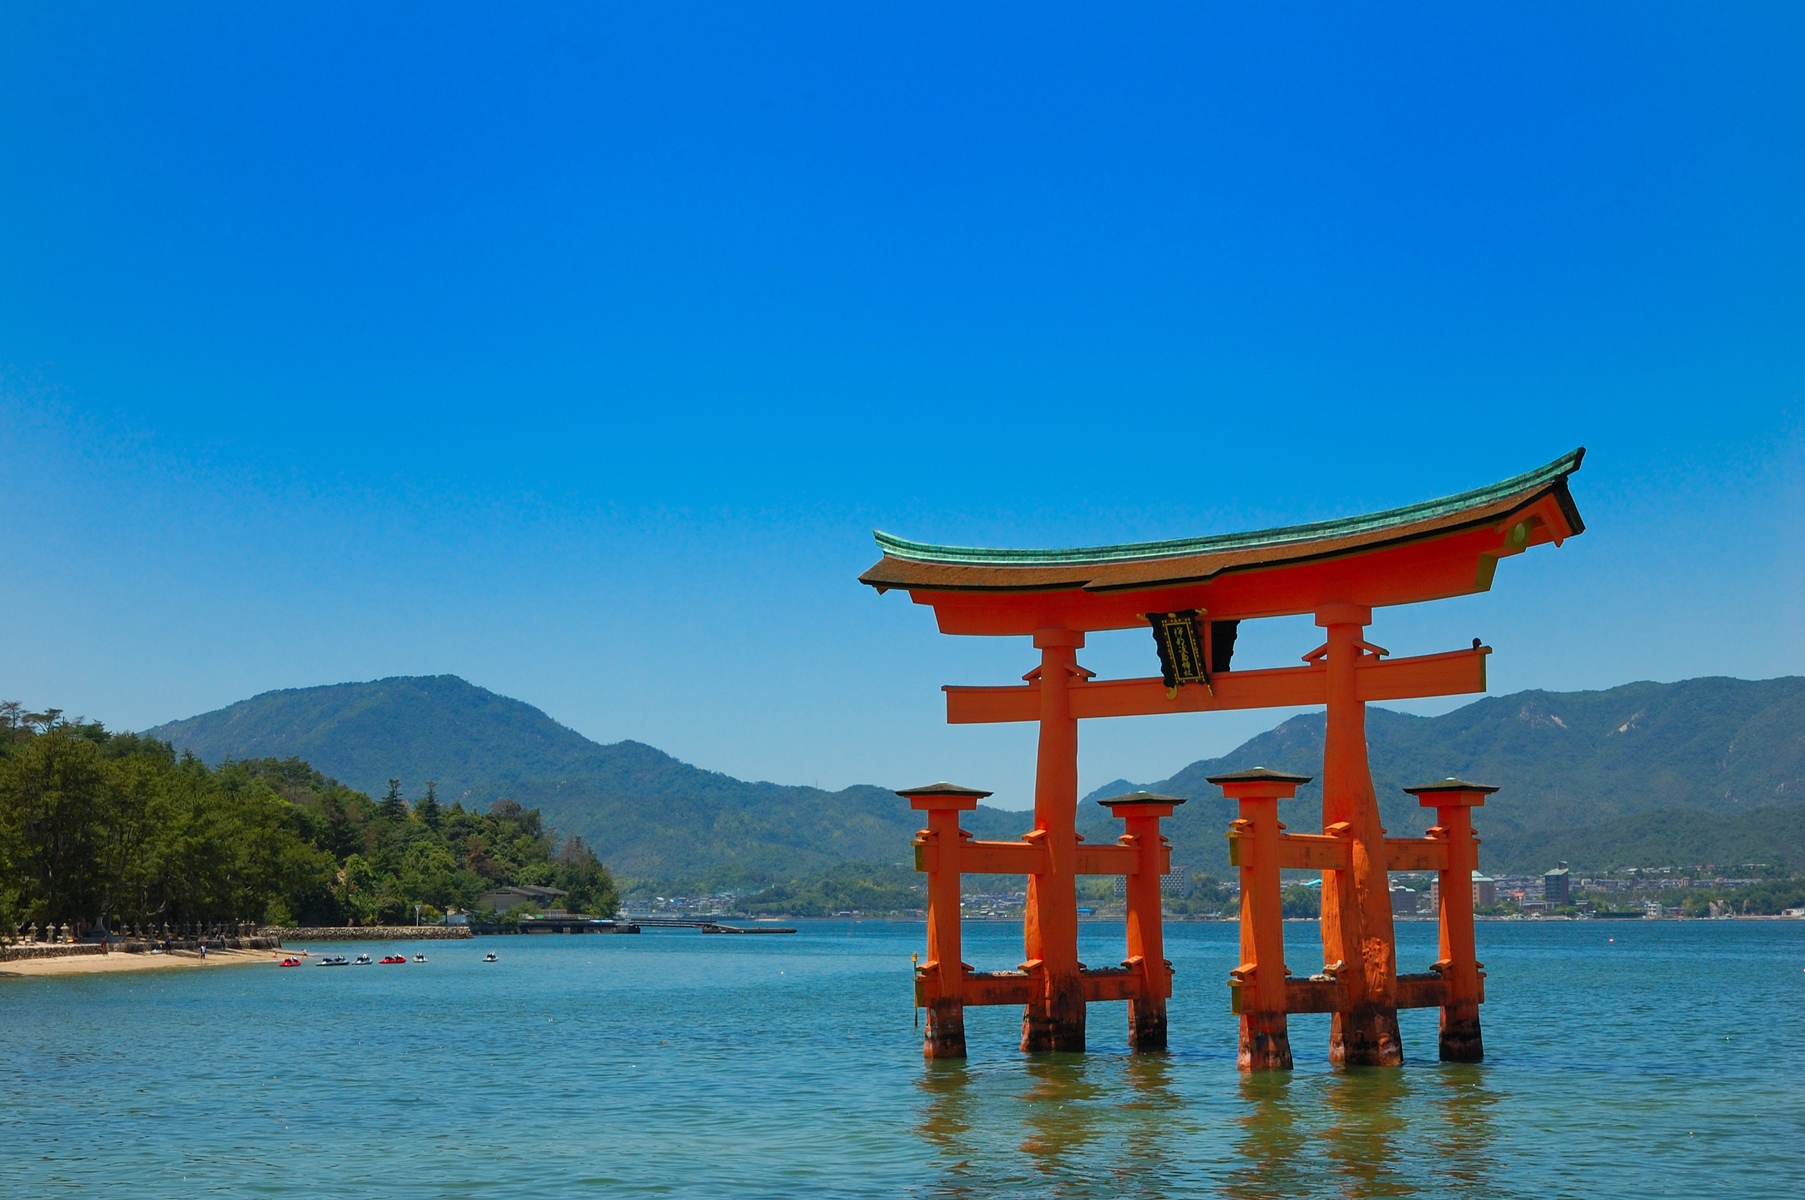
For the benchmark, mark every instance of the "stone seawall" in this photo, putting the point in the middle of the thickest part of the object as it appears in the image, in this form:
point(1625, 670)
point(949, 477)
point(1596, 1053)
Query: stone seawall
point(372, 933)
point(27, 950)
point(263, 941)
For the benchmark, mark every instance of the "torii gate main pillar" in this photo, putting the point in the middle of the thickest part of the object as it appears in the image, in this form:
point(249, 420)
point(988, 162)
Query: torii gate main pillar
point(1357, 941)
point(1054, 1017)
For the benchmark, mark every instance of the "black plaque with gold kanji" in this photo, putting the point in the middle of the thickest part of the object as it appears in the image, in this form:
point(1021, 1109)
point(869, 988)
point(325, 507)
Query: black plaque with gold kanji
point(1179, 637)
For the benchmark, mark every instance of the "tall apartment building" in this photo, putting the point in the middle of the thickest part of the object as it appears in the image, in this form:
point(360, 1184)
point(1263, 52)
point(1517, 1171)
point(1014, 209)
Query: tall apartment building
point(1557, 887)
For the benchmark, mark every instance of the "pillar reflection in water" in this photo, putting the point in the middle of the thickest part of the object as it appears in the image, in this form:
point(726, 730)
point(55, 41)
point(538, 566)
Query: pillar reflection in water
point(1153, 1119)
point(1275, 1145)
point(946, 1119)
point(1365, 1118)
point(1098, 1126)
point(1059, 1114)
point(1463, 1105)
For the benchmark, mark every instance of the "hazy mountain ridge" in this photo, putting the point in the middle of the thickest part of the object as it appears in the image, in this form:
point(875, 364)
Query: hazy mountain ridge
point(1580, 773)
point(648, 814)
point(1682, 772)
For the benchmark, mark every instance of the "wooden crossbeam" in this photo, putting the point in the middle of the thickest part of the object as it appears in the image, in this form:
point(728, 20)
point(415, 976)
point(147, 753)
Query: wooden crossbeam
point(1416, 854)
point(1324, 852)
point(1314, 852)
point(1019, 987)
point(1114, 860)
point(1319, 995)
point(1003, 858)
point(1030, 858)
point(1455, 673)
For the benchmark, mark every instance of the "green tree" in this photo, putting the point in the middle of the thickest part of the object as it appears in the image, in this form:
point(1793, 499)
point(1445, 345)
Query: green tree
point(117, 828)
point(393, 808)
point(1300, 901)
point(52, 795)
point(360, 890)
point(428, 810)
point(429, 875)
point(578, 871)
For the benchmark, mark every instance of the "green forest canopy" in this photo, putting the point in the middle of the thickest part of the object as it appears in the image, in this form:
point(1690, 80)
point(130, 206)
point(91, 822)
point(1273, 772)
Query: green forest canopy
point(116, 828)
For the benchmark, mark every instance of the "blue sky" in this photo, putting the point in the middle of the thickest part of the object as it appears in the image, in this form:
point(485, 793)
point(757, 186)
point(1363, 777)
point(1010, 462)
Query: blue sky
point(576, 349)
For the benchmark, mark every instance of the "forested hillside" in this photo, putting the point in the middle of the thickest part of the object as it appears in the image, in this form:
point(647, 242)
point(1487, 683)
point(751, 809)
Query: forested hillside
point(97, 826)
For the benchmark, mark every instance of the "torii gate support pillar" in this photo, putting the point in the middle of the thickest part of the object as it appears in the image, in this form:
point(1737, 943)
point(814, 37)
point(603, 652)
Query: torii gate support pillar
point(1357, 939)
point(1458, 964)
point(1259, 983)
point(939, 850)
point(1053, 1018)
point(1145, 918)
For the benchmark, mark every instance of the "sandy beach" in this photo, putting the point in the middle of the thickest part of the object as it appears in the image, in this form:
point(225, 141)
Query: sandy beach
point(104, 964)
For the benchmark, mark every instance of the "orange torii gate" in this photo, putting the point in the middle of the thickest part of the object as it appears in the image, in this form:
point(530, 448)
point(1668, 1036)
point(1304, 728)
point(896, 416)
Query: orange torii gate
point(1194, 592)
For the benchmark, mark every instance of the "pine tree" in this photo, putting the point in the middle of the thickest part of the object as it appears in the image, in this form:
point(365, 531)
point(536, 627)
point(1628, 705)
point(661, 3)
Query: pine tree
point(393, 807)
point(428, 809)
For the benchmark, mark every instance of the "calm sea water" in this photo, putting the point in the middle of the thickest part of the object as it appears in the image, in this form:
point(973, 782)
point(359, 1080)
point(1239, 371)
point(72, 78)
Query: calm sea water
point(1670, 1062)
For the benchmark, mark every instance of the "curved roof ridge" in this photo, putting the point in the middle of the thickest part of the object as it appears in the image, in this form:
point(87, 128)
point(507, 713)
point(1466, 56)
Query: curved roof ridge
point(1554, 472)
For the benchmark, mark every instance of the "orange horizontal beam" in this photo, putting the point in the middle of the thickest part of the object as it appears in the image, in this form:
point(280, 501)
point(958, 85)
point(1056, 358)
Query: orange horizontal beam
point(1112, 983)
point(1112, 860)
point(1000, 987)
point(1415, 854)
point(1273, 688)
point(1320, 852)
point(1319, 995)
point(1297, 851)
point(979, 988)
point(1030, 858)
point(1314, 852)
point(1455, 673)
point(1002, 858)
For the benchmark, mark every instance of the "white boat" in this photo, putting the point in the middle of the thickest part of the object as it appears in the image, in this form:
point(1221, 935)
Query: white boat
point(489, 957)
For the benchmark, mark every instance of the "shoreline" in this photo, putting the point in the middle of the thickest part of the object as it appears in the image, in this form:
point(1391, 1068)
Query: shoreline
point(111, 964)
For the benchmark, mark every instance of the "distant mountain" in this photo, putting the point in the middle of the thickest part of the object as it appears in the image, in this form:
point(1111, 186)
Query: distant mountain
point(1699, 771)
point(647, 814)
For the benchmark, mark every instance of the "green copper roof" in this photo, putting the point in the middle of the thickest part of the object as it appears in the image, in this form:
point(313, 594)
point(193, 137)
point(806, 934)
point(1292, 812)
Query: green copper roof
point(1410, 514)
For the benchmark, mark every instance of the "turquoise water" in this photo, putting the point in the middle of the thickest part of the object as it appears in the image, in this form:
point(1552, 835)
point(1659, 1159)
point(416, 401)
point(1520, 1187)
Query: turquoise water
point(1668, 1063)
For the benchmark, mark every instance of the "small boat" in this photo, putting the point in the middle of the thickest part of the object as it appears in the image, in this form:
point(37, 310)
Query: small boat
point(289, 962)
point(334, 960)
point(394, 958)
point(362, 960)
point(489, 957)
point(419, 958)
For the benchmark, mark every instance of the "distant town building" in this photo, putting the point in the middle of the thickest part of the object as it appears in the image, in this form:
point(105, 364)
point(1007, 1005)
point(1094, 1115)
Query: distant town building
point(1557, 887)
point(1485, 889)
point(1403, 900)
